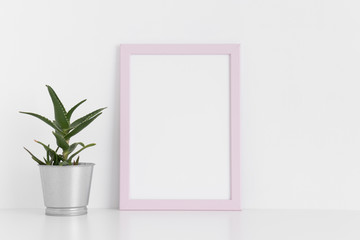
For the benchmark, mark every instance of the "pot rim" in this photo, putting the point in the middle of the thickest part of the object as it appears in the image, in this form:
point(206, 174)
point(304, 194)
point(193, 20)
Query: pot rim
point(82, 164)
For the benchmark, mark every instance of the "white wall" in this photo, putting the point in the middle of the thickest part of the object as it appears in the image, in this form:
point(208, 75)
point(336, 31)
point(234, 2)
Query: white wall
point(300, 83)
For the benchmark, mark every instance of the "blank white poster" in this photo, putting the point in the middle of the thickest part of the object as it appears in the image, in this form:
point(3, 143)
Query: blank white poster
point(179, 127)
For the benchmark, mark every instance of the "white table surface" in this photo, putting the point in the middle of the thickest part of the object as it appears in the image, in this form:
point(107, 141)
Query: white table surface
point(245, 225)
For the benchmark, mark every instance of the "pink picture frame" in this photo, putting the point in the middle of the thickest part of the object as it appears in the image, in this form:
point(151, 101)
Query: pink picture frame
point(233, 202)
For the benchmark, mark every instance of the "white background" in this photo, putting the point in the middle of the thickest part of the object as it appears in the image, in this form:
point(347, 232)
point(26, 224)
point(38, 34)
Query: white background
point(300, 131)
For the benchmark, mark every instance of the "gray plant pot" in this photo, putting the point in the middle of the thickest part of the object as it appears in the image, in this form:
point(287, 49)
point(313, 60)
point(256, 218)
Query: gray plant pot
point(66, 189)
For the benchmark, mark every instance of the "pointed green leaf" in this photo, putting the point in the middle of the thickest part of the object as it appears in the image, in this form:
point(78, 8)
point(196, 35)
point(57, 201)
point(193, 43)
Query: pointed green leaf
point(76, 153)
point(44, 119)
point(59, 129)
point(61, 142)
point(59, 110)
point(77, 161)
point(56, 159)
point(73, 146)
point(47, 162)
point(64, 163)
point(48, 156)
point(52, 154)
point(81, 127)
point(82, 119)
point(46, 147)
point(70, 112)
point(35, 158)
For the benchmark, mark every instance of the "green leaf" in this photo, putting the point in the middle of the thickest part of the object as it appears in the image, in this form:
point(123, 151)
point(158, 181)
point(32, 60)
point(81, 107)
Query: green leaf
point(76, 153)
point(59, 129)
point(35, 158)
point(64, 163)
point(57, 159)
point(61, 142)
point(48, 157)
point(44, 119)
point(47, 162)
point(59, 110)
point(80, 127)
point(70, 112)
point(73, 146)
point(54, 157)
point(77, 161)
point(82, 119)
point(46, 147)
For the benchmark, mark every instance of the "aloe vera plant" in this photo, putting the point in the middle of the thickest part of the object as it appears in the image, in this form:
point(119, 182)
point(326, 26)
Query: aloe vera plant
point(64, 129)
